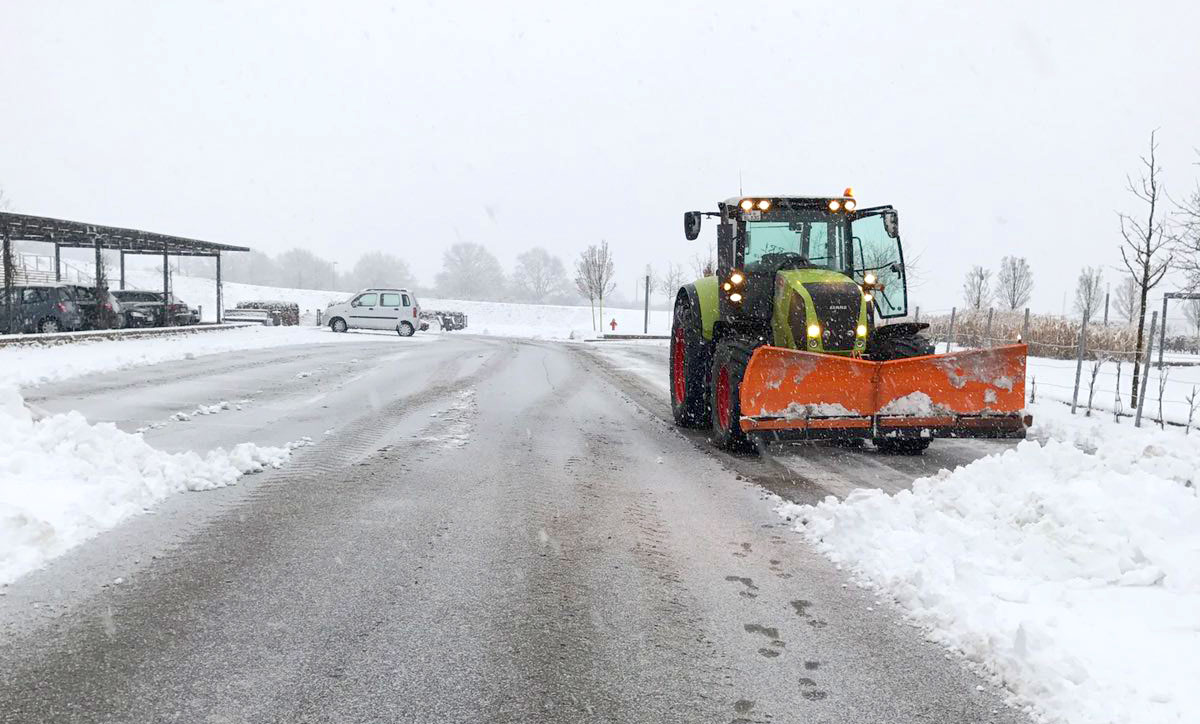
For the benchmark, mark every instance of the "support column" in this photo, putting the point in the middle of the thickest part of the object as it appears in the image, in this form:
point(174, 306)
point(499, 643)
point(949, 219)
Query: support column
point(9, 306)
point(122, 269)
point(57, 262)
point(166, 305)
point(220, 302)
point(101, 320)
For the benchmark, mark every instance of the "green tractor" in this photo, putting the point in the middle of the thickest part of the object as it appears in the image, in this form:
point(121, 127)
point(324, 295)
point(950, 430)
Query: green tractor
point(786, 340)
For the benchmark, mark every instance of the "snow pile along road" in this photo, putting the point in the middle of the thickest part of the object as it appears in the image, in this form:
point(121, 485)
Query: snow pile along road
point(1068, 568)
point(63, 480)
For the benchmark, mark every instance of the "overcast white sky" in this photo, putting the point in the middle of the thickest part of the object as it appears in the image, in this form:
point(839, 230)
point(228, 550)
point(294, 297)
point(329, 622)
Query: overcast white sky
point(348, 127)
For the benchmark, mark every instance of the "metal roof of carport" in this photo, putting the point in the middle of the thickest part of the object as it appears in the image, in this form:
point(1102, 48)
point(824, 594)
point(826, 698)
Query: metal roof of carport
point(77, 234)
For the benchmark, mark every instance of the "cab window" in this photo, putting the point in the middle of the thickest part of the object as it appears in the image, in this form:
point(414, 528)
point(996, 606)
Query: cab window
point(407, 301)
point(366, 300)
point(390, 300)
point(879, 254)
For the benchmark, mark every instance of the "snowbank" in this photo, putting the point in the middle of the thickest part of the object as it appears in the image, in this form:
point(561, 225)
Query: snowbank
point(1068, 568)
point(63, 480)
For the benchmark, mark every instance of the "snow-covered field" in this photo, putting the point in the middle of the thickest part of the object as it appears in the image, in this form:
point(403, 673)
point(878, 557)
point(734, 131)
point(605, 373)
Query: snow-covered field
point(539, 321)
point(63, 480)
point(1055, 380)
point(1067, 568)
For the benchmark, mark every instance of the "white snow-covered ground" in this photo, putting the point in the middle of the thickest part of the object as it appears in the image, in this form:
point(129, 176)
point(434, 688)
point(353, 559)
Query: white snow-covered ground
point(506, 319)
point(1067, 568)
point(63, 480)
point(41, 364)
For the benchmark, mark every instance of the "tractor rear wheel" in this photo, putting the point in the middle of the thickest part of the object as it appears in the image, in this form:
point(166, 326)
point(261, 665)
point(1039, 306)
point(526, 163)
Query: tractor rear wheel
point(730, 359)
point(690, 359)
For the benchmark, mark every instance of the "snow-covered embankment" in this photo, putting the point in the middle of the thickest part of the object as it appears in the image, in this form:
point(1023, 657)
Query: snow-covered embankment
point(1067, 568)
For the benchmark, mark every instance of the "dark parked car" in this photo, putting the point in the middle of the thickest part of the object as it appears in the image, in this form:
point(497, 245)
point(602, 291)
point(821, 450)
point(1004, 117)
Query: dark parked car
point(40, 308)
point(104, 314)
point(149, 307)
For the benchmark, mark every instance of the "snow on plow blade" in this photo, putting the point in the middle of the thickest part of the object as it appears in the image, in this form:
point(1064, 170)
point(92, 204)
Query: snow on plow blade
point(976, 393)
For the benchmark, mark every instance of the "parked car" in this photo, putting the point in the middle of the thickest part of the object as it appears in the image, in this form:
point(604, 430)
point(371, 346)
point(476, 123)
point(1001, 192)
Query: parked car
point(44, 308)
point(391, 309)
point(150, 305)
point(102, 314)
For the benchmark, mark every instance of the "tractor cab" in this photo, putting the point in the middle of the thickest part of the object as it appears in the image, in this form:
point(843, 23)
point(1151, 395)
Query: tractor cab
point(807, 272)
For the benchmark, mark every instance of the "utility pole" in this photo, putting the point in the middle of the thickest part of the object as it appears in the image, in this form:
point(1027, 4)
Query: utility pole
point(646, 322)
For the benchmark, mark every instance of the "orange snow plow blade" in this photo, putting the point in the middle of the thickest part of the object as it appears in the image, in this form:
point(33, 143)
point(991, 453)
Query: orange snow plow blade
point(975, 393)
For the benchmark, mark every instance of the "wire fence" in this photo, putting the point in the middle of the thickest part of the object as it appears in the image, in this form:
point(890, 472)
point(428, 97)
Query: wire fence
point(1088, 366)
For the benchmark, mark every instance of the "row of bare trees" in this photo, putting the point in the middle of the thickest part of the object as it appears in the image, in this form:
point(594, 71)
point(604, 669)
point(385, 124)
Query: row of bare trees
point(1012, 289)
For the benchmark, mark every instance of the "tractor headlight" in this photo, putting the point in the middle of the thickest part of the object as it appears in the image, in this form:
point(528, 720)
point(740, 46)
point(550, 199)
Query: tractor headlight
point(867, 296)
point(850, 205)
point(814, 331)
point(861, 331)
point(727, 286)
point(737, 277)
point(747, 204)
point(835, 205)
point(735, 297)
point(869, 278)
point(764, 204)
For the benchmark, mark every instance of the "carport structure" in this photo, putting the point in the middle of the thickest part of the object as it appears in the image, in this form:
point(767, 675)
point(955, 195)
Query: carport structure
point(79, 235)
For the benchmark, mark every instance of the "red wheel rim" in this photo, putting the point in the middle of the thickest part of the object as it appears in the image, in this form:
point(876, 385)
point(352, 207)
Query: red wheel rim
point(724, 403)
point(678, 374)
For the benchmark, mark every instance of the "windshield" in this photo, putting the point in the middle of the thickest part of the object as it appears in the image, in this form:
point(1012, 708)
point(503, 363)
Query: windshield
point(820, 239)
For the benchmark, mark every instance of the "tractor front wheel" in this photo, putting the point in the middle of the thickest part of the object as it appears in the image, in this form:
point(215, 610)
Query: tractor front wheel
point(902, 446)
point(689, 363)
point(728, 368)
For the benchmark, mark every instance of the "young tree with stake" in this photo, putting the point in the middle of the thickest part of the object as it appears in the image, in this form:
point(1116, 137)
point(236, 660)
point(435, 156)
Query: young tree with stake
point(1145, 252)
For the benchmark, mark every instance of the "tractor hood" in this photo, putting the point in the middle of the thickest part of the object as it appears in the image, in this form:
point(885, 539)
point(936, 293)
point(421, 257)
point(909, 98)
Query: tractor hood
point(828, 299)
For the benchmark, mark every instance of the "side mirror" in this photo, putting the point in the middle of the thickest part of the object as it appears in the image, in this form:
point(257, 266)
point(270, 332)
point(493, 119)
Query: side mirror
point(691, 225)
point(891, 223)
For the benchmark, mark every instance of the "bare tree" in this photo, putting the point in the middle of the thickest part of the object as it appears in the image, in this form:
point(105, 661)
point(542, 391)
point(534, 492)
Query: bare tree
point(1089, 294)
point(977, 289)
point(594, 275)
point(705, 264)
point(538, 275)
point(1145, 251)
point(670, 280)
point(1014, 283)
point(1191, 400)
point(1092, 384)
point(379, 269)
point(585, 289)
point(1163, 373)
point(1187, 235)
point(470, 271)
point(1126, 301)
point(1117, 395)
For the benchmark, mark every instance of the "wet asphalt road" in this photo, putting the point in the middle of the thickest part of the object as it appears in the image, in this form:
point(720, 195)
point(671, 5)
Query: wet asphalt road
point(485, 531)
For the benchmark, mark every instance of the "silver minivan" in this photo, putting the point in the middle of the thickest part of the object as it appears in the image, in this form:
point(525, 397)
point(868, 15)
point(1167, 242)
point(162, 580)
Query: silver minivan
point(388, 309)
